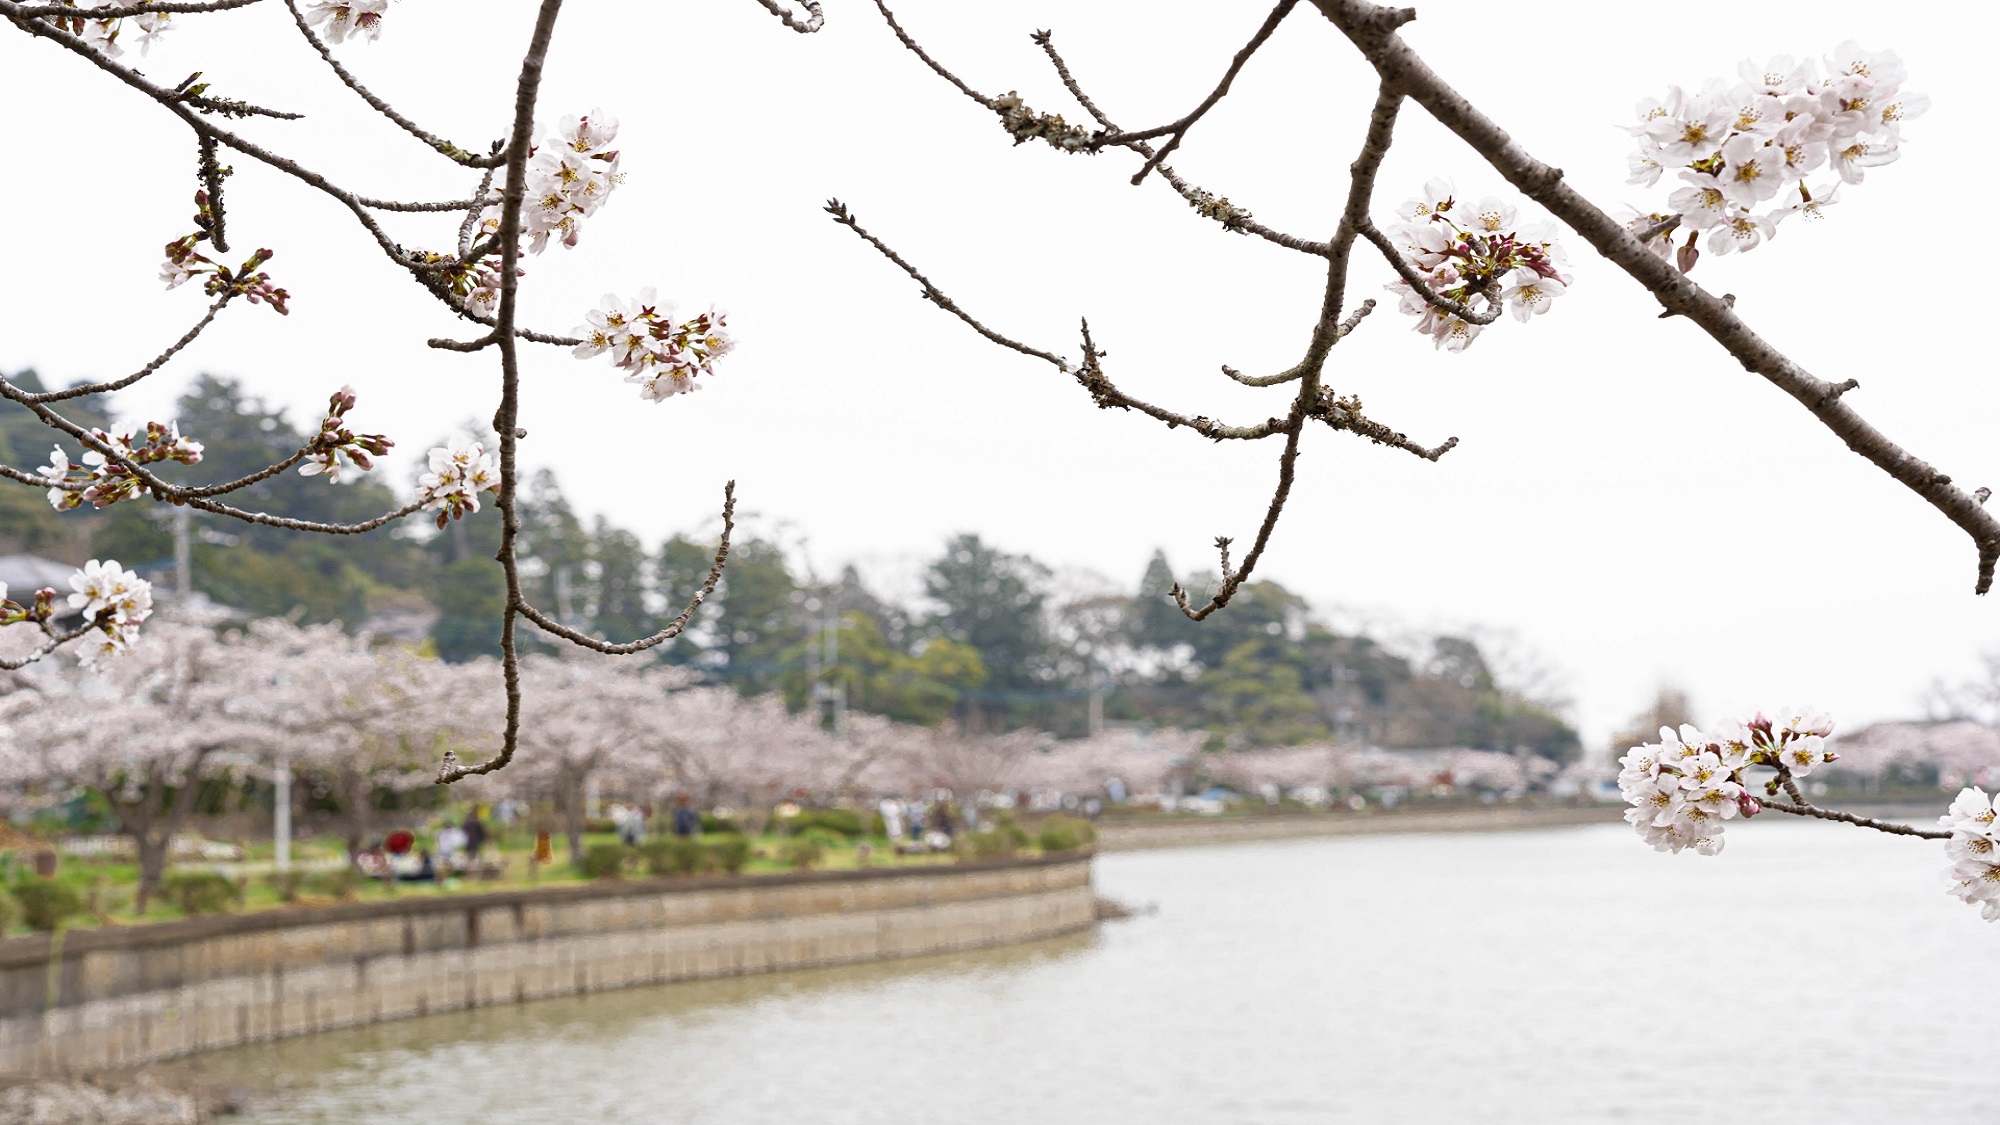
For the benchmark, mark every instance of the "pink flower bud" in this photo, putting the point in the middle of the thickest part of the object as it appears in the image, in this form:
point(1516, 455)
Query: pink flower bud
point(1749, 806)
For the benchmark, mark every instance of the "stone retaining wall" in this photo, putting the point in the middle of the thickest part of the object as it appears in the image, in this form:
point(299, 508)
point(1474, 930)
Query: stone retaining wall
point(1194, 831)
point(114, 997)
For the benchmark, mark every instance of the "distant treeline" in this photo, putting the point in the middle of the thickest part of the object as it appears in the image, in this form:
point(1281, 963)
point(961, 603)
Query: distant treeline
point(990, 644)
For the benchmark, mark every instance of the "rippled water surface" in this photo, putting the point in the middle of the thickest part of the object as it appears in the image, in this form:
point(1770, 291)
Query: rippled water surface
point(1812, 973)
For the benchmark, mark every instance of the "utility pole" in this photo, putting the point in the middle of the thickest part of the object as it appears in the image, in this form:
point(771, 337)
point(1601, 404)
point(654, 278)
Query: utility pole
point(281, 814)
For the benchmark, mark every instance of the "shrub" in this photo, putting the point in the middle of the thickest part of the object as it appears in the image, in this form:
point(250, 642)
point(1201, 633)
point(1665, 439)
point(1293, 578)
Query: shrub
point(10, 913)
point(287, 884)
point(1065, 834)
point(1005, 822)
point(844, 822)
point(45, 903)
point(994, 844)
point(730, 854)
point(341, 883)
point(803, 851)
point(201, 892)
point(712, 824)
point(604, 861)
point(675, 856)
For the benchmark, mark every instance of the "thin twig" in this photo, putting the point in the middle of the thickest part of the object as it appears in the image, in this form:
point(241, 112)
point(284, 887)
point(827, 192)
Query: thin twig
point(674, 627)
point(815, 19)
point(166, 7)
point(155, 364)
point(382, 107)
point(1179, 129)
point(1890, 827)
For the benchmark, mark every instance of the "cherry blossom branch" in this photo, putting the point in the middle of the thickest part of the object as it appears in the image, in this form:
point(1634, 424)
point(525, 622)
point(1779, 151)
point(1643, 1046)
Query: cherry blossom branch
point(1177, 130)
point(1433, 298)
point(347, 79)
point(53, 642)
point(157, 362)
point(1372, 31)
point(1234, 579)
point(674, 627)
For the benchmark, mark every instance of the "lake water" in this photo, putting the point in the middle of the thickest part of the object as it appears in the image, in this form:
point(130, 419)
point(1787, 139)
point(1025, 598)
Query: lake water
point(1812, 973)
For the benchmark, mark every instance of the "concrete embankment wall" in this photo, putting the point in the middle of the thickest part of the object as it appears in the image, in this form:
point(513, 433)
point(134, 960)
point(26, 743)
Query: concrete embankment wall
point(1191, 831)
point(113, 997)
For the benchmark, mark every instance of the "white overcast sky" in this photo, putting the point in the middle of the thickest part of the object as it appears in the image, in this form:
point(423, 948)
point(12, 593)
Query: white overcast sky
point(1626, 499)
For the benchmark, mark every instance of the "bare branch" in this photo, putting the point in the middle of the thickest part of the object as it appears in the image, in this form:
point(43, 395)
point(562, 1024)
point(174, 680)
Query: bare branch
point(935, 66)
point(392, 205)
point(54, 642)
point(167, 7)
point(931, 292)
point(1179, 129)
point(674, 627)
point(815, 19)
point(155, 364)
point(1890, 827)
point(382, 107)
point(1208, 204)
point(506, 419)
point(1233, 579)
point(211, 182)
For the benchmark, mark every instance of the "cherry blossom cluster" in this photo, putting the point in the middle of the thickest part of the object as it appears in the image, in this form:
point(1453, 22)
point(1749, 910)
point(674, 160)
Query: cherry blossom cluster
point(570, 175)
point(185, 260)
point(1476, 255)
point(335, 446)
point(1972, 873)
point(102, 35)
point(459, 473)
point(107, 481)
point(342, 18)
point(654, 351)
point(1742, 150)
point(117, 601)
point(1686, 786)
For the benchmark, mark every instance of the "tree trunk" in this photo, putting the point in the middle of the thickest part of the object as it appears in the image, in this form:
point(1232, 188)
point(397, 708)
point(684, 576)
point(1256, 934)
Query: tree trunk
point(572, 802)
point(152, 864)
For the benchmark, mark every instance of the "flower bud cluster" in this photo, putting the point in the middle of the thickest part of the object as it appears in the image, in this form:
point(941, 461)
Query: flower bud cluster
point(335, 445)
point(342, 18)
point(185, 260)
point(1972, 870)
point(107, 481)
point(116, 601)
point(1683, 788)
point(1477, 256)
point(654, 351)
point(102, 35)
point(459, 473)
point(43, 608)
point(1742, 150)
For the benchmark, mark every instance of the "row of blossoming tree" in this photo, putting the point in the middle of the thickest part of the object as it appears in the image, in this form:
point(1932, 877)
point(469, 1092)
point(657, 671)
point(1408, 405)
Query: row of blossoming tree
point(1743, 154)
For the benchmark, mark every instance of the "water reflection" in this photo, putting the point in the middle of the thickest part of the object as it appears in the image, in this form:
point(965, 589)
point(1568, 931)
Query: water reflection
point(1568, 976)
